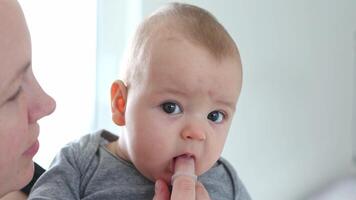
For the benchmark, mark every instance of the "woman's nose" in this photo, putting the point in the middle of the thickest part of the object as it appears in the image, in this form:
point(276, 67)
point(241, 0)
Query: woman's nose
point(41, 105)
point(49, 105)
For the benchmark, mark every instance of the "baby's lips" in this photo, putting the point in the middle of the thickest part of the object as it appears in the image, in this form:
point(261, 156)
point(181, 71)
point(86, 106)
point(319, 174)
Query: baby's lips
point(184, 164)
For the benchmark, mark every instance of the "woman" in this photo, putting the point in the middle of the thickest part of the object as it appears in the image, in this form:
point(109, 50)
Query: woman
point(23, 103)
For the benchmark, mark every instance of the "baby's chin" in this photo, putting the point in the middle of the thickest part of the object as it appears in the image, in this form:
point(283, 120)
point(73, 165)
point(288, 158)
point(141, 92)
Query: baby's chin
point(166, 177)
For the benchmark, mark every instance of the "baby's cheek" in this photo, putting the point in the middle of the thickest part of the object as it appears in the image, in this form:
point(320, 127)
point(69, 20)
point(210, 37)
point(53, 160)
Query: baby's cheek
point(210, 158)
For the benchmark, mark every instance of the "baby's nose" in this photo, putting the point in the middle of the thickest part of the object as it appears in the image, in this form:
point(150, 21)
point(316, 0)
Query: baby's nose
point(193, 132)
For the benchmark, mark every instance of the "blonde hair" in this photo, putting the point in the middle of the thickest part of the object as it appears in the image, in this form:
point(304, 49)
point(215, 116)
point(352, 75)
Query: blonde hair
point(191, 22)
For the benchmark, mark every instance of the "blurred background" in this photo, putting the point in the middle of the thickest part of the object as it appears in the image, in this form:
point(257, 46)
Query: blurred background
point(294, 133)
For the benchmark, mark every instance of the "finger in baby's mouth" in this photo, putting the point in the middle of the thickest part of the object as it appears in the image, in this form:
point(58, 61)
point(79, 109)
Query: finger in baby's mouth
point(184, 163)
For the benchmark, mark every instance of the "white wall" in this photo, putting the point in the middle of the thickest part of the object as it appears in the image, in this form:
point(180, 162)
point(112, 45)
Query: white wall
point(116, 22)
point(294, 129)
point(64, 55)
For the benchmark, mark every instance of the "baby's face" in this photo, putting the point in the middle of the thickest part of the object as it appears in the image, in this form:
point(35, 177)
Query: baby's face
point(183, 105)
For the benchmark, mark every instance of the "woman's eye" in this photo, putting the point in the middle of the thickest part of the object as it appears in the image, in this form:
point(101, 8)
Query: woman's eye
point(171, 108)
point(216, 116)
point(14, 96)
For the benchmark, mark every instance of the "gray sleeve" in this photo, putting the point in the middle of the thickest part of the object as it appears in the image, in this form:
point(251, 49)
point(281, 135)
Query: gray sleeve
point(242, 193)
point(62, 180)
point(223, 183)
point(239, 188)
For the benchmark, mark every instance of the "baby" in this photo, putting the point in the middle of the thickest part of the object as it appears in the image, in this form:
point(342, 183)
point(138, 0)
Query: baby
point(175, 100)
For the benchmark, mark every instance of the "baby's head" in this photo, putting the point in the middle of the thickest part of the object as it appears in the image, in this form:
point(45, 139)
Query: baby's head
point(178, 92)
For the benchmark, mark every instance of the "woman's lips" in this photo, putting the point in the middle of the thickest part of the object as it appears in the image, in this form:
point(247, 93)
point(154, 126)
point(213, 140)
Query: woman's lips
point(32, 150)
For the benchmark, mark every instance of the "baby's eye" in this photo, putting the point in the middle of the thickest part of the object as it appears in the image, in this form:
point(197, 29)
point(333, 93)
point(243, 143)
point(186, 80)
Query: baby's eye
point(171, 108)
point(216, 116)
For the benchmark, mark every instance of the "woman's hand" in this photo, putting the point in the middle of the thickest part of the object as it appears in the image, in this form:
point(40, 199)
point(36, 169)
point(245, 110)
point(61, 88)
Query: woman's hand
point(184, 186)
point(183, 189)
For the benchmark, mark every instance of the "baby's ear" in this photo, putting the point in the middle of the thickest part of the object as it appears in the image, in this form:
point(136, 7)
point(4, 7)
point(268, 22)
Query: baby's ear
point(118, 102)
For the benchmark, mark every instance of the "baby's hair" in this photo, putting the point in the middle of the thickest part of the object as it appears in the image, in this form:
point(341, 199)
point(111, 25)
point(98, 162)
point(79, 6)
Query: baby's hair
point(178, 19)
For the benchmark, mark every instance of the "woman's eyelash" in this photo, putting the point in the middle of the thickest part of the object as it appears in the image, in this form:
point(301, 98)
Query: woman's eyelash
point(13, 97)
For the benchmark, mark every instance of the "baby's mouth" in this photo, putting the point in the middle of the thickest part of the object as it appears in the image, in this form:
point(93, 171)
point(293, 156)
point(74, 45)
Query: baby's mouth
point(184, 163)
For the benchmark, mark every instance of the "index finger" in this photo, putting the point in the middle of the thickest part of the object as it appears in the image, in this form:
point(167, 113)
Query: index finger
point(183, 186)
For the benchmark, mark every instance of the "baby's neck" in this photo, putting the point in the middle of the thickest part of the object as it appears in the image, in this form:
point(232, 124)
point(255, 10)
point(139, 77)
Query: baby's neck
point(115, 149)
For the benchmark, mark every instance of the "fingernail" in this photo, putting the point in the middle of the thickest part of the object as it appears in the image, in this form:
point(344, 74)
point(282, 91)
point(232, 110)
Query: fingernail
point(158, 186)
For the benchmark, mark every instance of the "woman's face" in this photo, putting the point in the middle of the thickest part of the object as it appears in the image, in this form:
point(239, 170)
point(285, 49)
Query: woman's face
point(22, 101)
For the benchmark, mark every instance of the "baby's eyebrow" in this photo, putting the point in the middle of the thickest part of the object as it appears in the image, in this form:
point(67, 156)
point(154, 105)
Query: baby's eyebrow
point(172, 90)
point(229, 104)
